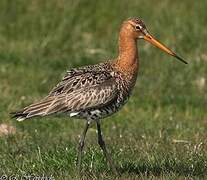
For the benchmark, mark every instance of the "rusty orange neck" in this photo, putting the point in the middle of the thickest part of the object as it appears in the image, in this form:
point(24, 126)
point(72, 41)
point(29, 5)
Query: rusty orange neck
point(127, 60)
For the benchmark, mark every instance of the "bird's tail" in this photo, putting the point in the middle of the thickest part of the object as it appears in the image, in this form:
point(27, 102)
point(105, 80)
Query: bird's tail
point(41, 108)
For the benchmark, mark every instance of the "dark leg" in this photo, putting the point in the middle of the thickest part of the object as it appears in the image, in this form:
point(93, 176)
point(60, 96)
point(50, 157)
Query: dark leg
point(81, 145)
point(103, 147)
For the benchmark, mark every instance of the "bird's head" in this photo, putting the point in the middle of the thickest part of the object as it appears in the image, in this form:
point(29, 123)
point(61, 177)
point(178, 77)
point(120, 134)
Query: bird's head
point(136, 28)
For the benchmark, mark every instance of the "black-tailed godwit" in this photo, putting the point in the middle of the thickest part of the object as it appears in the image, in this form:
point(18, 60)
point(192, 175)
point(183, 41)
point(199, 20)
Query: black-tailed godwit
point(97, 91)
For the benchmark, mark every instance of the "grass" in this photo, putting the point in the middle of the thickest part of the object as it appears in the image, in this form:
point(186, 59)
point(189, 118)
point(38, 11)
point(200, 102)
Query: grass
point(161, 132)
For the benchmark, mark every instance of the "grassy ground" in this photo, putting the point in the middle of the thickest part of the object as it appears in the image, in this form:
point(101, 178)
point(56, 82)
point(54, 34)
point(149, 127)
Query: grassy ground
point(160, 133)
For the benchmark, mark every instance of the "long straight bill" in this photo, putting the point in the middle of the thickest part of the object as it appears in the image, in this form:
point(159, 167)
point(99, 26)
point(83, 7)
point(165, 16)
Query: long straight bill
point(156, 43)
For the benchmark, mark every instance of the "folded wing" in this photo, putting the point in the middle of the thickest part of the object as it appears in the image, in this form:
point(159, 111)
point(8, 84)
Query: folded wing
point(81, 91)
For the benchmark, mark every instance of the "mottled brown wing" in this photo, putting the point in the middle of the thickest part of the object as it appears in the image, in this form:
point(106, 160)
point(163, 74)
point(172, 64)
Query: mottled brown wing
point(80, 78)
point(75, 93)
point(84, 98)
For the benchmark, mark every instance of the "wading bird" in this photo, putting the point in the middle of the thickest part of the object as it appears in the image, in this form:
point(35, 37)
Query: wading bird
point(97, 91)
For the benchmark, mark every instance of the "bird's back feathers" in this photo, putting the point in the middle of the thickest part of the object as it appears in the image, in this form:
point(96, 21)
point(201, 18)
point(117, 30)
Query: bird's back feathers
point(80, 89)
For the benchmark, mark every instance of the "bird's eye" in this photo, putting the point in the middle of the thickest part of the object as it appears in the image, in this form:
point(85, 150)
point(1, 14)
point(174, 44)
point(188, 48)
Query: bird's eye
point(138, 27)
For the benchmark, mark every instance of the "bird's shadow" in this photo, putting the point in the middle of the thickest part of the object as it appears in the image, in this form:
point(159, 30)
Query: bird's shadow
point(144, 169)
point(138, 169)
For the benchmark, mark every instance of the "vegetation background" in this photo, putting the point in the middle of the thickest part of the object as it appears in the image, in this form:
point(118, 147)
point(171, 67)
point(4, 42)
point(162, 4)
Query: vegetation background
point(160, 133)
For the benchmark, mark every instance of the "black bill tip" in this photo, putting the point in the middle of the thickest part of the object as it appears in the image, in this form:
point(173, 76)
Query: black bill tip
point(181, 59)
